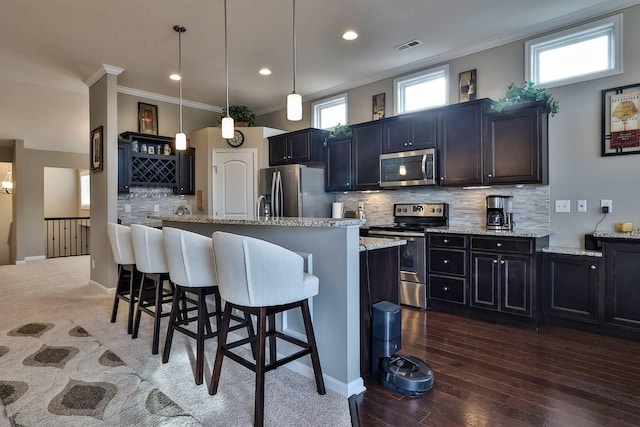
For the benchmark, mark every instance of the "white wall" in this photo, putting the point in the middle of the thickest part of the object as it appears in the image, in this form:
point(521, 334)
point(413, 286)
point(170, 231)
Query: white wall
point(60, 192)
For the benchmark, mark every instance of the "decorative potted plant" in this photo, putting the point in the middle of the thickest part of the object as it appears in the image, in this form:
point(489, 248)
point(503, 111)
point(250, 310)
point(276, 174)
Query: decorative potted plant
point(241, 115)
point(338, 132)
point(525, 92)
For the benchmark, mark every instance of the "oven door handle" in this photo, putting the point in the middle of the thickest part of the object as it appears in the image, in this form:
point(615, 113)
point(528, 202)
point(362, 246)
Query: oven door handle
point(399, 235)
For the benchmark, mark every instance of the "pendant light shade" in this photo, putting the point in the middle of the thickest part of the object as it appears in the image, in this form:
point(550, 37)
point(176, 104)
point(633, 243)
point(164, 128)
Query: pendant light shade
point(294, 100)
point(227, 122)
point(181, 138)
point(294, 107)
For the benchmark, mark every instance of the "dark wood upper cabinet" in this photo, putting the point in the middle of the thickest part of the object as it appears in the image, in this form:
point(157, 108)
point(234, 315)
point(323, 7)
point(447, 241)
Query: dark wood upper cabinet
point(124, 166)
point(367, 146)
point(186, 172)
point(303, 146)
point(515, 146)
point(338, 172)
point(414, 131)
point(460, 144)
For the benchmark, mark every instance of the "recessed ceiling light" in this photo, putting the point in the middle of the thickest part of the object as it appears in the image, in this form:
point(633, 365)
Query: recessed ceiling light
point(175, 76)
point(264, 71)
point(350, 35)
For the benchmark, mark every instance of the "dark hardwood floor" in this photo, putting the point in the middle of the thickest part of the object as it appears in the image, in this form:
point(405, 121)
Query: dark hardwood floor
point(497, 375)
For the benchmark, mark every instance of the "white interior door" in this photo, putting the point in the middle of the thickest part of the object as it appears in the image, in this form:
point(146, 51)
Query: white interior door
point(234, 183)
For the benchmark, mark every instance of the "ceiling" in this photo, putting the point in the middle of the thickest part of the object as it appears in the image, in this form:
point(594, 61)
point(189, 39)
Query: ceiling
point(62, 43)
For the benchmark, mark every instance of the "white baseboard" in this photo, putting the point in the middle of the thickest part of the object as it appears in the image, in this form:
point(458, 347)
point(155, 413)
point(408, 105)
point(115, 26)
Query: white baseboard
point(108, 291)
point(31, 258)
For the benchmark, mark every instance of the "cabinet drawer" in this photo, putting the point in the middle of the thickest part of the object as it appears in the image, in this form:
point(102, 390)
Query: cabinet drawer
point(523, 246)
point(447, 240)
point(447, 288)
point(448, 261)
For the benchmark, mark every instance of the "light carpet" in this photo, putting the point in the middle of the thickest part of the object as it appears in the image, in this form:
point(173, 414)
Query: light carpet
point(57, 289)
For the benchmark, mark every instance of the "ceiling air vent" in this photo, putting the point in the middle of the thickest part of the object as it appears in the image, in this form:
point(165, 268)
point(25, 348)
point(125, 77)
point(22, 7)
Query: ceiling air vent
point(408, 45)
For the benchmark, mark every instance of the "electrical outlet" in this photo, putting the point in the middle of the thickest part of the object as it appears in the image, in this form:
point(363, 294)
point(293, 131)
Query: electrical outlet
point(563, 205)
point(608, 204)
point(127, 208)
point(582, 205)
point(156, 208)
point(93, 264)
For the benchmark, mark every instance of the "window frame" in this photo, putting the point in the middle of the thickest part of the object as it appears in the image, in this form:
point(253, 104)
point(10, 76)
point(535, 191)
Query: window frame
point(400, 83)
point(317, 106)
point(611, 26)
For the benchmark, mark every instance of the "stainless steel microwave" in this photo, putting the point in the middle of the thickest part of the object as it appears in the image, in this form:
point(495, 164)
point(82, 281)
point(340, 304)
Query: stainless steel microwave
point(408, 168)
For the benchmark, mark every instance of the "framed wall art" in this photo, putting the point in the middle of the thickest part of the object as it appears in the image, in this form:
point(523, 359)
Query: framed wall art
point(620, 133)
point(378, 106)
point(96, 150)
point(147, 118)
point(468, 84)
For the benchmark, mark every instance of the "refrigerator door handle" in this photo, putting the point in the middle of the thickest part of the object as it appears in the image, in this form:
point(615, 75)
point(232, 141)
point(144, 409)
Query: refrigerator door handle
point(272, 201)
point(280, 195)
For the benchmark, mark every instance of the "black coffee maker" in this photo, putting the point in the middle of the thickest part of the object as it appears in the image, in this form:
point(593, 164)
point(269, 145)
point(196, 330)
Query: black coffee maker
point(500, 213)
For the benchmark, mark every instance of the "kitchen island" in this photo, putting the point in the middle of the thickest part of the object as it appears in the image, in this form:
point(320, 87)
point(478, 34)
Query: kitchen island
point(335, 248)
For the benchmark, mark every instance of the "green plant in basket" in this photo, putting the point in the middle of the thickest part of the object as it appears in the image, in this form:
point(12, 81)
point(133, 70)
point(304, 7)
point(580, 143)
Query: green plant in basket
point(523, 93)
point(239, 113)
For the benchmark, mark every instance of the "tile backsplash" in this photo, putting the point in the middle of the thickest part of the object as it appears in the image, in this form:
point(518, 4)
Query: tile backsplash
point(141, 202)
point(466, 207)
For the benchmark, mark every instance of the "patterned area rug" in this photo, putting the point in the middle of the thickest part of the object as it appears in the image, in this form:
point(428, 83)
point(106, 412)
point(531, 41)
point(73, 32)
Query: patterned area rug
point(56, 374)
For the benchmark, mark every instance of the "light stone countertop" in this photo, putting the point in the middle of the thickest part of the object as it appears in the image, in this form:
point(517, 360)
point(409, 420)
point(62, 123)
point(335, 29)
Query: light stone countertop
point(272, 221)
point(372, 243)
point(615, 235)
point(481, 231)
point(572, 251)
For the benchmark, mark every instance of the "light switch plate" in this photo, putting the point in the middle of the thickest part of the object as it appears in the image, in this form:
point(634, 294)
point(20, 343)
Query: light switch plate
point(582, 205)
point(563, 205)
point(127, 208)
point(156, 208)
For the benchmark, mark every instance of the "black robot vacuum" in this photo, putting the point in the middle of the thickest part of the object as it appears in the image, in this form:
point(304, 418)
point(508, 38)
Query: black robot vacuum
point(402, 373)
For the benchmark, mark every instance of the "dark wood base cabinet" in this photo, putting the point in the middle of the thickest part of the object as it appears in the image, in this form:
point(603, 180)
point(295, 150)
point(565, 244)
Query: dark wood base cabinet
point(379, 281)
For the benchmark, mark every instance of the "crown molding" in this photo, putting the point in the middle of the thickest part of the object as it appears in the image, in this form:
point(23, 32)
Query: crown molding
point(104, 69)
point(169, 99)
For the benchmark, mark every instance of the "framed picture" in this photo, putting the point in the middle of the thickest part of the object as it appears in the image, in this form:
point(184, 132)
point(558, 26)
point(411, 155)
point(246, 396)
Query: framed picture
point(620, 133)
point(147, 118)
point(378, 106)
point(96, 150)
point(468, 84)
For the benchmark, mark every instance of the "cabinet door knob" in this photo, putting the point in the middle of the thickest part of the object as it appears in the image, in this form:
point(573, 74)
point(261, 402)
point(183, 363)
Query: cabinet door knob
point(446, 240)
point(490, 175)
point(348, 183)
point(446, 289)
point(442, 178)
point(593, 267)
point(411, 143)
point(446, 261)
point(405, 144)
point(495, 261)
point(498, 244)
point(502, 262)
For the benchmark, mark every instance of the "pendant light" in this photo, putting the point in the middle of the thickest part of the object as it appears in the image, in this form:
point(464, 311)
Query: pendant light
point(227, 122)
point(294, 100)
point(181, 138)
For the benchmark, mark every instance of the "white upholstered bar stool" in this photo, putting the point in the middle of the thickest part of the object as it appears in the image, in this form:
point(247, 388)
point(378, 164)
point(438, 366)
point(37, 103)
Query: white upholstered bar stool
point(148, 249)
point(263, 279)
point(191, 269)
point(122, 249)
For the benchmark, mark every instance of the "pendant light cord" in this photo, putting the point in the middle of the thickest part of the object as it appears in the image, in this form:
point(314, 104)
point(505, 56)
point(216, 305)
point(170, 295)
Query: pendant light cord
point(180, 71)
point(226, 56)
point(294, 46)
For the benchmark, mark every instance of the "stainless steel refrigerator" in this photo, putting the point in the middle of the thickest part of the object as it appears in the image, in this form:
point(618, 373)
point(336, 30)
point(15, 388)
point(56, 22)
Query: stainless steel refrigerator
point(295, 191)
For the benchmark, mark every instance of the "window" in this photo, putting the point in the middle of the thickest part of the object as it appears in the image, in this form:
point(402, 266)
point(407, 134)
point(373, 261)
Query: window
point(422, 90)
point(586, 52)
point(85, 190)
point(330, 112)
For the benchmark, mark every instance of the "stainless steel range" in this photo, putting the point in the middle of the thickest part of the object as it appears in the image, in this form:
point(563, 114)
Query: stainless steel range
point(409, 223)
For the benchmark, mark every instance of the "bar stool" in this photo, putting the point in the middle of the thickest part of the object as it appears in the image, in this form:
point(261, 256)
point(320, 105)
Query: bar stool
point(263, 279)
point(122, 249)
point(190, 261)
point(148, 249)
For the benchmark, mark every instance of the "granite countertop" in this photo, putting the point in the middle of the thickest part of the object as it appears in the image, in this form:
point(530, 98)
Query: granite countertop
point(280, 221)
point(481, 231)
point(372, 243)
point(615, 235)
point(572, 251)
